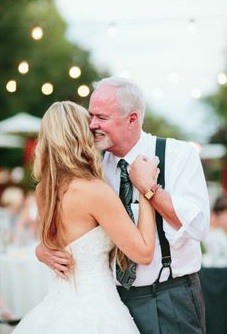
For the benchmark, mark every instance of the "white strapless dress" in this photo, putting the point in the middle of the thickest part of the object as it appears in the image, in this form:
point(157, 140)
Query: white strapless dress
point(88, 303)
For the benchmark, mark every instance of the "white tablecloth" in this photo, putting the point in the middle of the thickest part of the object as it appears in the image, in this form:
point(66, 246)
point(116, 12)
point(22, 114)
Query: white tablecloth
point(24, 281)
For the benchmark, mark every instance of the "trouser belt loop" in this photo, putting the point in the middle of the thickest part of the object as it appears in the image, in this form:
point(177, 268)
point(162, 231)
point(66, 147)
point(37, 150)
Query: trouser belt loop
point(154, 290)
point(189, 279)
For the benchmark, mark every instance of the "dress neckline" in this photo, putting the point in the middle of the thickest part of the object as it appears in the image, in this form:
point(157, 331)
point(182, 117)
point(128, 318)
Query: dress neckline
point(83, 236)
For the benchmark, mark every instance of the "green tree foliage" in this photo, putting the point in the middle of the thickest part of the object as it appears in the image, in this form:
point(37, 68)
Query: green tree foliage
point(218, 102)
point(49, 58)
point(215, 169)
point(218, 106)
point(159, 126)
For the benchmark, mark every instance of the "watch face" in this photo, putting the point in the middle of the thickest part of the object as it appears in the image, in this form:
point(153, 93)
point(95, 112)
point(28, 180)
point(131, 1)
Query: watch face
point(149, 194)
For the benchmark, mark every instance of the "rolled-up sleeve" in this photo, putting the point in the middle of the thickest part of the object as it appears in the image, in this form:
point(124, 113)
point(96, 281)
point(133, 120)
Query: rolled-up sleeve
point(188, 190)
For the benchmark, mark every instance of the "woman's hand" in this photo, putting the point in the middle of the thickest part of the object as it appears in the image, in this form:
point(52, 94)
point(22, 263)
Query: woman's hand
point(144, 172)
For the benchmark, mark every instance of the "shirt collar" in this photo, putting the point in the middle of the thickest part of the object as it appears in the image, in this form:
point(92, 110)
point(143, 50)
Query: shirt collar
point(137, 149)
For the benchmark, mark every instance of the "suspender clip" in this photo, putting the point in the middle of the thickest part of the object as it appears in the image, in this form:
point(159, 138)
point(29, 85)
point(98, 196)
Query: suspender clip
point(166, 261)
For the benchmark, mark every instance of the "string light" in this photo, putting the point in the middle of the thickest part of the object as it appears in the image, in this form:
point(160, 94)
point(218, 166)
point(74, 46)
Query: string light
point(37, 33)
point(222, 78)
point(47, 88)
point(23, 67)
point(112, 29)
point(11, 86)
point(74, 72)
point(192, 26)
point(83, 91)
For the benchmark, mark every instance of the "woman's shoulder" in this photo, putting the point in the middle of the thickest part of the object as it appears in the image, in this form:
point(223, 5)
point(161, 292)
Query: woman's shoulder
point(94, 185)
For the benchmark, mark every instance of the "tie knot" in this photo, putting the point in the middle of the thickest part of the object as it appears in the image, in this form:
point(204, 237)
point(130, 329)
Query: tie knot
point(122, 164)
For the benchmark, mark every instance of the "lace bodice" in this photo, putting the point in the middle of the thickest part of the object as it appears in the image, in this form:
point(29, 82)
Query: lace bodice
point(92, 268)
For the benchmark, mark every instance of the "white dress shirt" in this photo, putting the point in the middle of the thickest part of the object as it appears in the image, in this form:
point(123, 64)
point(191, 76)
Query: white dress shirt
point(185, 182)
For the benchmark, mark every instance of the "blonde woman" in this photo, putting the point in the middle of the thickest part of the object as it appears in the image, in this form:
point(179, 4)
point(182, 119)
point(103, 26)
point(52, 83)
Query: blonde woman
point(81, 214)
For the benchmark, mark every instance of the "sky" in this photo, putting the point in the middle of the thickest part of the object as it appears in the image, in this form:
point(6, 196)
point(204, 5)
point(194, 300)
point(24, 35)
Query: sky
point(173, 49)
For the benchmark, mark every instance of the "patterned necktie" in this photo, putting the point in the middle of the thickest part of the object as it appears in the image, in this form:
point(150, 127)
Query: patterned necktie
point(127, 277)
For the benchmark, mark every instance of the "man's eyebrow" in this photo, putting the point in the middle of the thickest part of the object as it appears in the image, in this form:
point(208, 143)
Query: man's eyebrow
point(97, 114)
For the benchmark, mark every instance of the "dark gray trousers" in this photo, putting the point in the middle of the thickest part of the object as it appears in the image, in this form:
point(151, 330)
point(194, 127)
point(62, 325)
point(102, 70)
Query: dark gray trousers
point(172, 307)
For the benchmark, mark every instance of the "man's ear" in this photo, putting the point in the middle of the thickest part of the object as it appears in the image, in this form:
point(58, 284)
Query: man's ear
point(133, 116)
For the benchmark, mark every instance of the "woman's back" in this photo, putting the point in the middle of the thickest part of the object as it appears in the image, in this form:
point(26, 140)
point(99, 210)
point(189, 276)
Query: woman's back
point(77, 206)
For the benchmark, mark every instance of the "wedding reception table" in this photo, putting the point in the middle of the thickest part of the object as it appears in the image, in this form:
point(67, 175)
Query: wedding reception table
point(24, 281)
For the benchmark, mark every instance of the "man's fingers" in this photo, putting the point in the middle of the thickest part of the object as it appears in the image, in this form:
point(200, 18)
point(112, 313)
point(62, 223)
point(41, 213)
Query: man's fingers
point(60, 267)
point(62, 255)
point(157, 159)
point(62, 261)
point(146, 159)
point(61, 274)
point(157, 172)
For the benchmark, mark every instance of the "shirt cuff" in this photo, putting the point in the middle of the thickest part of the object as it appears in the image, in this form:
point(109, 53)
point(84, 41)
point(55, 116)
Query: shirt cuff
point(193, 223)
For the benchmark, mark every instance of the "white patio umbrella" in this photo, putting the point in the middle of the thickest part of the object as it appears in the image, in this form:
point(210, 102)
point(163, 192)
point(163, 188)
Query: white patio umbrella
point(21, 124)
point(11, 141)
point(213, 151)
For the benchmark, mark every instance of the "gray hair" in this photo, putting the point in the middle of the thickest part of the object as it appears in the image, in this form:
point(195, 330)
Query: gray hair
point(129, 95)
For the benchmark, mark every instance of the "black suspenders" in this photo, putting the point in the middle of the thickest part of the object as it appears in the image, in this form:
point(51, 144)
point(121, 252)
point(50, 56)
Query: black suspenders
point(166, 257)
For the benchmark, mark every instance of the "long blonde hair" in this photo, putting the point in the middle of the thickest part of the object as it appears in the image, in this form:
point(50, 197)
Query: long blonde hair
point(65, 149)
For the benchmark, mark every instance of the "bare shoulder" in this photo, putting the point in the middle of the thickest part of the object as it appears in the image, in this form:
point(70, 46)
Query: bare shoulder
point(93, 187)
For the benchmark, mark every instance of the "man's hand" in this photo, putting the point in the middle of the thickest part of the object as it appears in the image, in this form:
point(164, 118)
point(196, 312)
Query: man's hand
point(144, 172)
point(59, 261)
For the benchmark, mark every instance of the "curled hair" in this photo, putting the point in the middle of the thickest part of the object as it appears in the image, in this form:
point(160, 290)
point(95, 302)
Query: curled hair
point(65, 149)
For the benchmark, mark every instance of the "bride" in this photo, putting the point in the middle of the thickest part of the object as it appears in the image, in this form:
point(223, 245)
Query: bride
point(80, 214)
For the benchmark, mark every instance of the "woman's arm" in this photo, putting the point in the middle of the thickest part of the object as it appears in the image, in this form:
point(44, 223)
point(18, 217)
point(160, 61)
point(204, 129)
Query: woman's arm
point(137, 243)
point(105, 208)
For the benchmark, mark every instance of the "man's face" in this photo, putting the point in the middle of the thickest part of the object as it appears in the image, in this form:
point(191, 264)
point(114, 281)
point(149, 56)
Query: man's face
point(106, 122)
point(222, 220)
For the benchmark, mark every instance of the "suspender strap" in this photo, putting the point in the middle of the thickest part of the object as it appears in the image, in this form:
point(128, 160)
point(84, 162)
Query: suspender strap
point(166, 257)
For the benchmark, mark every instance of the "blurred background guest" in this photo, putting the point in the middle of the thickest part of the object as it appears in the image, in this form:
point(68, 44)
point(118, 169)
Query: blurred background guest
point(11, 204)
point(18, 217)
point(213, 275)
point(215, 244)
point(26, 226)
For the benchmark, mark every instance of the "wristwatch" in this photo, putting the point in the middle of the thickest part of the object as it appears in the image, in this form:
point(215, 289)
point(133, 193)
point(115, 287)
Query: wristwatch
point(151, 192)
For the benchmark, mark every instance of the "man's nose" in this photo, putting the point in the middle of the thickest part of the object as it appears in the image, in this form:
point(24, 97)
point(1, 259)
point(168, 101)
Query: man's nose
point(94, 123)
